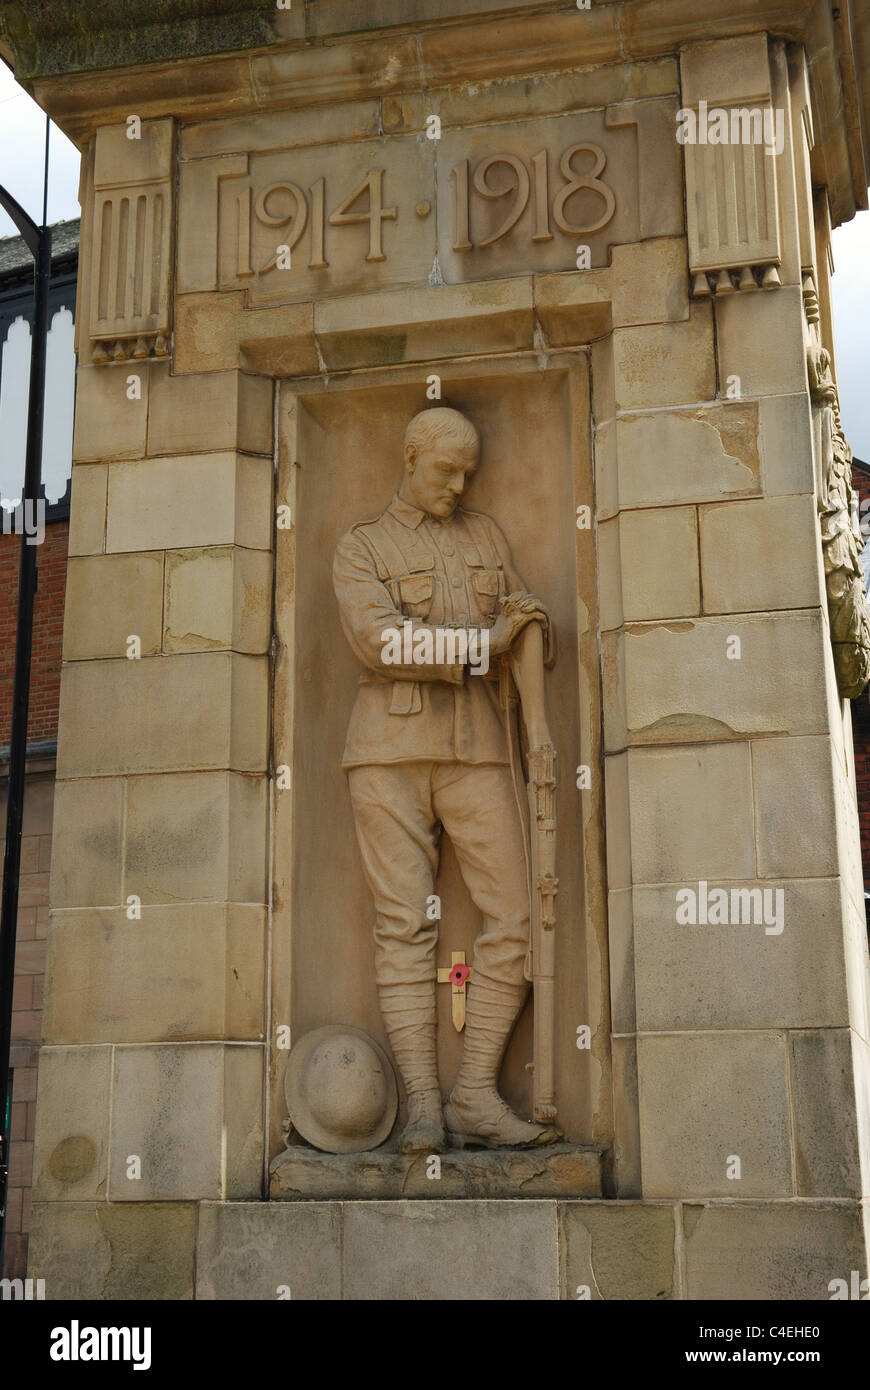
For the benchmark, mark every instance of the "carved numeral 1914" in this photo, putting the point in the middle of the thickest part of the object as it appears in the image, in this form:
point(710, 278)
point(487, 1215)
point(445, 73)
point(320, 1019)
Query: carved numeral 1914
point(270, 210)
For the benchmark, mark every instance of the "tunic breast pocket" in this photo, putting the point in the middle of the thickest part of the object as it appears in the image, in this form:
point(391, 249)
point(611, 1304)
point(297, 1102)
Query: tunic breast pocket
point(487, 587)
point(415, 594)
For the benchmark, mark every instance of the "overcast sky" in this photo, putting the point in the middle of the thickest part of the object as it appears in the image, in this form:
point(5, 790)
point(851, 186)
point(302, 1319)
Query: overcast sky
point(22, 134)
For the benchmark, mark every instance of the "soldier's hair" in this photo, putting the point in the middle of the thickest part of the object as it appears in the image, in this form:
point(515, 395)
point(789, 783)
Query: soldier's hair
point(441, 424)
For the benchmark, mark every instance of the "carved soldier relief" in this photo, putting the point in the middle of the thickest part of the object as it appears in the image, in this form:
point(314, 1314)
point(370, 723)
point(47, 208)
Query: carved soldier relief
point(436, 866)
point(431, 750)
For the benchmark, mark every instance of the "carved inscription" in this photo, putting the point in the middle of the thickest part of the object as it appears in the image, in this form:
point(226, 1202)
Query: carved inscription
point(407, 210)
point(523, 183)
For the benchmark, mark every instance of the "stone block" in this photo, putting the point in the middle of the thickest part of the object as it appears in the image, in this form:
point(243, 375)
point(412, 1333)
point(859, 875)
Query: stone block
point(793, 792)
point(610, 611)
point(725, 69)
point(618, 818)
point(87, 845)
point(209, 410)
point(428, 1261)
point(706, 1101)
point(120, 160)
point(700, 455)
point(255, 1250)
point(188, 972)
point(672, 840)
point(760, 555)
point(197, 500)
point(659, 553)
point(613, 690)
point(785, 435)
point(87, 523)
point(200, 835)
point(111, 1251)
point(771, 1250)
point(418, 324)
point(110, 598)
point(691, 680)
point(649, 282)
point(214, 333)
point(72, 1139)
point(665, 364)
point(620, 923)
point(270, 130)
point(626, 1118)
point(193, 1116)
point(218, 597)
point(618, 1250)
point(760, 339)
point(190, 712)
point(787, 942)
point(110, 421)
point(826, 1124)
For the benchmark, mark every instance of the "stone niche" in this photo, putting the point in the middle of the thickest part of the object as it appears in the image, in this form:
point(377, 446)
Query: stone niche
point(341, 461)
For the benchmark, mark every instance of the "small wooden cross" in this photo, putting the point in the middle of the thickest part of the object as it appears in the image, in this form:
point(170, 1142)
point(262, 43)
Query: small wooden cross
point(457, 976)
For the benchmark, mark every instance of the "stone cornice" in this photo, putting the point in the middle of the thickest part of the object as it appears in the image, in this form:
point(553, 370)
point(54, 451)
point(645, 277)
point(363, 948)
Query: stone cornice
point(246, 55)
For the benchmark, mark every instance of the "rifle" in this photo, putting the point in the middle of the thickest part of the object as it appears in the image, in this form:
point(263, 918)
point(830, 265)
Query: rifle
point(538, 811)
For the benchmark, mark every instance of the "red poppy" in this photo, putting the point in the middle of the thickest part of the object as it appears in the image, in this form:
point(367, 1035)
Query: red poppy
point(459, 974)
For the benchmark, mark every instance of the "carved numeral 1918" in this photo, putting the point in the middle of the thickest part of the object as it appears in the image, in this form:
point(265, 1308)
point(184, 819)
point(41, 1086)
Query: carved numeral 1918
point(519, 184)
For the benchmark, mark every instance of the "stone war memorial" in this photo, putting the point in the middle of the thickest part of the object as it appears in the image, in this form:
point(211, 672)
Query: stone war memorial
point(456, 886)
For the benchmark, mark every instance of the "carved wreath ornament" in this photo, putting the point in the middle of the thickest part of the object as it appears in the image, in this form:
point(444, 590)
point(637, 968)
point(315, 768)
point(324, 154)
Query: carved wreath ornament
point(841, 535)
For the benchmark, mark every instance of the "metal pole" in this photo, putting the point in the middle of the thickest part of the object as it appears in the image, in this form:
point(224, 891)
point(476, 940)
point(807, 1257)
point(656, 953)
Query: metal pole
point(39, 242)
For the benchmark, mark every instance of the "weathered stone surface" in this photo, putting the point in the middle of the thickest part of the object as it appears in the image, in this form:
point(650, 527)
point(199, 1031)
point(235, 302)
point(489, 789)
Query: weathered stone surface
point(191, 971)
point(201, 499)
point(827, 1157)
point(196, 711)
point(87, 526)
point(259, 1250)
point(109, 599)
point(665, 364)
point(787, 941)
point(651, 588)
point(87, 848)
point(706, 1100)
point(699, 455)
point(193, 1115)
point(670, 841)
point(791, 826)
point(427, 1260)
point(618, 1250)
point(199, 835)
point(111, 1251)
point(770, 1250)
point(556, 1171)
point(71, 1150)
point(760, 555)
point(691, 680)
point(219, 597)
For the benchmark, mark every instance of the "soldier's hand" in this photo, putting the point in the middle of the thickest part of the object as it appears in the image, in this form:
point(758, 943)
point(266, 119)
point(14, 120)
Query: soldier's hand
point(507, 626)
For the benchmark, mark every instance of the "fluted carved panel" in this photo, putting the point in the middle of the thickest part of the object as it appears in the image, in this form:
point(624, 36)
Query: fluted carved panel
point(132, 246)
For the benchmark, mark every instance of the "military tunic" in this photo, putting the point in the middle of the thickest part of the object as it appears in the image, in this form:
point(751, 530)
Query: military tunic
point(427, 744)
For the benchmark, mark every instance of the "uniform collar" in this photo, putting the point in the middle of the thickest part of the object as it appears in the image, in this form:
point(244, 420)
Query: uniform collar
point(406, 512)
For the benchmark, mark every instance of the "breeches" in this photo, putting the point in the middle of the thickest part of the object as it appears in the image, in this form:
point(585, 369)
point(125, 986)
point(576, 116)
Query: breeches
point(399, 811)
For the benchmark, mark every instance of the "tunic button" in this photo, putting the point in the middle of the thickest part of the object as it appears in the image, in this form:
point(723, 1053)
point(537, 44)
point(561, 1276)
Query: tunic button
point(456, 582)
point(448, 550)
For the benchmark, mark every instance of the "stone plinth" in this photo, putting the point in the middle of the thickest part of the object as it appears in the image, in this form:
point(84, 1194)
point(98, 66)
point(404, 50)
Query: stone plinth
point(565, 1170)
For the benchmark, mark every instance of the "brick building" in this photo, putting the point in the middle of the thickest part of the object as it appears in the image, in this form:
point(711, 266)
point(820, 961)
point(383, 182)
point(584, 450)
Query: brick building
point(16, 281)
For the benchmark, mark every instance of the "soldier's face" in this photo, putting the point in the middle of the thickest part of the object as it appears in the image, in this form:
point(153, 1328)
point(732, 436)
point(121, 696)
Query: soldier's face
point(436, 477)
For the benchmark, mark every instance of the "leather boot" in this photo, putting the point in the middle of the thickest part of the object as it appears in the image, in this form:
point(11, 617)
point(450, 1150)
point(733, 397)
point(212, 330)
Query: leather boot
point(475, 1113)
point(408, 1012)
